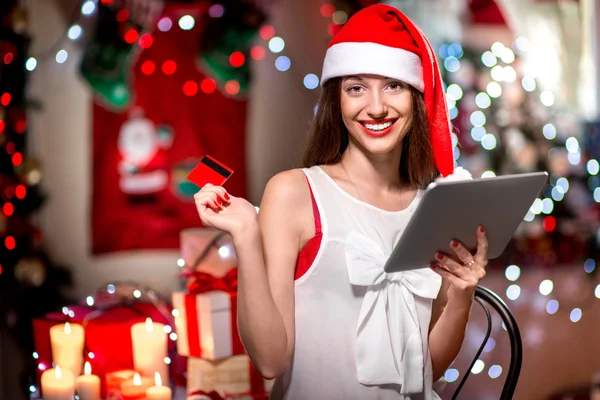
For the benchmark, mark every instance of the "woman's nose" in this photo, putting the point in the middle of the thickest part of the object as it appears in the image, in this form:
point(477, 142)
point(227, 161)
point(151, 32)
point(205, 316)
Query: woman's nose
point(377, 106)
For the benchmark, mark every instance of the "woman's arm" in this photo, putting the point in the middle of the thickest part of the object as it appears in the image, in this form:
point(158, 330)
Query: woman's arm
point(451, 309)
point(267, 252)
point(447, 331)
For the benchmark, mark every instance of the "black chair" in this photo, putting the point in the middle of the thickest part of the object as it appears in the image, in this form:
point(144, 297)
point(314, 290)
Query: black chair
point(484, 295)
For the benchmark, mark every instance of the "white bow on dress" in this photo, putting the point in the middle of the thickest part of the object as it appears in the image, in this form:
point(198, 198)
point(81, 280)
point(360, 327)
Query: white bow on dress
point(389, 342)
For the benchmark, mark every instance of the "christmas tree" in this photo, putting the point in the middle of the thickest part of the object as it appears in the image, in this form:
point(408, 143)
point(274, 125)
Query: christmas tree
point(30, 285)
point(506, 123)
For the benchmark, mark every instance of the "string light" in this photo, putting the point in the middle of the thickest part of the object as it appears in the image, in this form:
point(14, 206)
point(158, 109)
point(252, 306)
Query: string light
point(232, 87)
point(208, 85)
point(512, 273)
point(575, 315)
point(478, 367)
point(283, 63)
point(61, 56)
point(187, 22)
point(216, 11)
point(495, 371)
point(88, 7)
point(165, 24)
point(74, 32)
point(257, 52)
point(546, 287)
point(145, 41)
point(276, 44)
point(169, 67)
point(190, 88)
point(451, 375)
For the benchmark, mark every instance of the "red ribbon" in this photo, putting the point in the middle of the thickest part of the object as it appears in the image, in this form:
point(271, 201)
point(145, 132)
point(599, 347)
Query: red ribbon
point(202, 282)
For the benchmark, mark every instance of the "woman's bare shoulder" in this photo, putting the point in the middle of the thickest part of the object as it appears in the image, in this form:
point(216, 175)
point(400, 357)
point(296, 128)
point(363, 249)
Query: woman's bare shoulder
point(286, 200)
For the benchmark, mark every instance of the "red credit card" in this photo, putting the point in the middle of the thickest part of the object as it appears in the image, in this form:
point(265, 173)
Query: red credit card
point(210, 171)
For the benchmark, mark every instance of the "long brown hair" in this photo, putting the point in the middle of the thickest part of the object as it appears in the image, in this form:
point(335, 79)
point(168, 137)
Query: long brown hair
point(329, 137)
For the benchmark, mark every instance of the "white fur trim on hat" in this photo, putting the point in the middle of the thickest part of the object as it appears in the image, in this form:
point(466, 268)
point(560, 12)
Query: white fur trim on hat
point(459, 174)
point(354, 58)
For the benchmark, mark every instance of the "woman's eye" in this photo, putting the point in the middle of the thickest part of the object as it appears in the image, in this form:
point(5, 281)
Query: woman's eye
point(354, 89)
point(395, 86)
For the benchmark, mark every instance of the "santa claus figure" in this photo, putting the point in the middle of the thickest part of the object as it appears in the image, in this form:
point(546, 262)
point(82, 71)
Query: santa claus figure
point(143, 168)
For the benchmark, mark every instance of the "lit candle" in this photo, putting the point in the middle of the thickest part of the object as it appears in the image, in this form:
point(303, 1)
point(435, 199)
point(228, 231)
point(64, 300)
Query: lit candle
point(158, 391)
point(135, 388)
point(58, 384)
point(67, 346)
point(88, 385)
point(150, 348)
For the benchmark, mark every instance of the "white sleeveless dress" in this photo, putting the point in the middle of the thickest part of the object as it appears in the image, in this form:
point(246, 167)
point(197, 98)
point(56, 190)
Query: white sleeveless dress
point(360, 333)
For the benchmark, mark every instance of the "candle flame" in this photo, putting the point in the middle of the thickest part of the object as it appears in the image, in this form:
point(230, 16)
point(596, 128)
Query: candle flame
point(137, 380)
point(87, 369)
point(58, 372)
point(149, 325)
point(67, 328)
point(157, 379)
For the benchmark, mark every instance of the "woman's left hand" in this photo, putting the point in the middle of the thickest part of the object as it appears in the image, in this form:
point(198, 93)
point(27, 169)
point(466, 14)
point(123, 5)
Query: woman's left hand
point(463, 276)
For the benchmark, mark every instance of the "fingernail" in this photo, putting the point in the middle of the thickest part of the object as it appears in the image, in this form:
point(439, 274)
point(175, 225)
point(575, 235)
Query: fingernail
point(219, 201)
point(432, 266)
point(481, 229)
point(226, 196)
point(439, 256)
point(454, 243)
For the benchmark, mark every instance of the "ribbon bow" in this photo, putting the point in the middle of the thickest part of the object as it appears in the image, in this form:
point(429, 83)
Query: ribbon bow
point(389, 341)
point(202, 282)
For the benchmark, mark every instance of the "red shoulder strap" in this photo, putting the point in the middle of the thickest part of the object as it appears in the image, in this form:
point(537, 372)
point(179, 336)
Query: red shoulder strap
point(316, 215)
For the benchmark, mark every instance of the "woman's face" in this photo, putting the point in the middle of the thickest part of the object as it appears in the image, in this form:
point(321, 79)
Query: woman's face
point(377, 111)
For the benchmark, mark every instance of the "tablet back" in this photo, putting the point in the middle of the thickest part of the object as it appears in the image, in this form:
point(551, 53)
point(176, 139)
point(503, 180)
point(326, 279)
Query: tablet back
point(454, 210)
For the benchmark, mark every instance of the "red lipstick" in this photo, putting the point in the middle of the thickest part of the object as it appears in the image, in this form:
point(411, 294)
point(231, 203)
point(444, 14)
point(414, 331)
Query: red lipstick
point(378, 133)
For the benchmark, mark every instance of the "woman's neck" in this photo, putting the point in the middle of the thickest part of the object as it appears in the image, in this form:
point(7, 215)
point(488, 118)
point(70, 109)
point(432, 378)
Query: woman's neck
point(380, 172)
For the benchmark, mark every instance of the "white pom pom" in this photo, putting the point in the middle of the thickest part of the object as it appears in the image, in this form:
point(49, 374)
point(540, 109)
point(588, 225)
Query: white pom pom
point(460, 174)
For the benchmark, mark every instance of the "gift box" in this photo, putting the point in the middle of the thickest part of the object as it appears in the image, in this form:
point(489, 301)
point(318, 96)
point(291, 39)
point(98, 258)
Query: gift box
point(233, 377)
point(207, 250)
point(108, 344)
point(206, 317)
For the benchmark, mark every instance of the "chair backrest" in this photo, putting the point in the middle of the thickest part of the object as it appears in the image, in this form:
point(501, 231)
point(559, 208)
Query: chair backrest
point(484, 295)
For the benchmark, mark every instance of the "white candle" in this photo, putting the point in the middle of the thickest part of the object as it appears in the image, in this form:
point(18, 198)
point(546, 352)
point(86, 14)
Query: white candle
point(135, 388)
point(150, 348)
point(158, 391)
point(88, 385)
point(58, 384)
point(67, 346)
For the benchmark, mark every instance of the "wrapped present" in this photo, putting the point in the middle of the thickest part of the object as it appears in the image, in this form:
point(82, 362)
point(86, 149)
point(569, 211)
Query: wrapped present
point(206, 317)
point(207, 250)
point(108, 343)
point(233, 377)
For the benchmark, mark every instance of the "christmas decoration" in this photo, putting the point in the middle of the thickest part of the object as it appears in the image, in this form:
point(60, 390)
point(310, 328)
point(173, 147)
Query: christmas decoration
point(505, 123)
point(207, 317)
point(230, 378)
point(230, 33)
point(107, 321)
point(106, 60)
point(31, 284)
point(143, 153)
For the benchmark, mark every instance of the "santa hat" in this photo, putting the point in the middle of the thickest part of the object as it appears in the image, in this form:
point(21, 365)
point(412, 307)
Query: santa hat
point(381, 40)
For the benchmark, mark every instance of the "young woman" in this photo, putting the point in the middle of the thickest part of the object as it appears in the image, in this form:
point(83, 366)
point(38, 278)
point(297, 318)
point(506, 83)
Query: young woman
point(315, 308)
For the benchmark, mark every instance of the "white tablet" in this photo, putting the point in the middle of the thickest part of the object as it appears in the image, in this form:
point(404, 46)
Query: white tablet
point(454, 209)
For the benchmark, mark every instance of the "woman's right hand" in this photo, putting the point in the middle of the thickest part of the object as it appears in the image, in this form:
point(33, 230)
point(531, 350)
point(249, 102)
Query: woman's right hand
point(218, 209)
